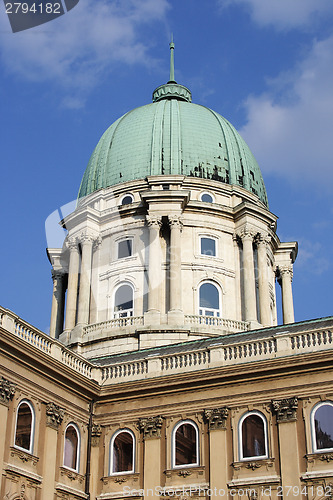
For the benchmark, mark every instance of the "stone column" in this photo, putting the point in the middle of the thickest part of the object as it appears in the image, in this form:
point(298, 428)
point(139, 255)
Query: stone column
point(7, 391)
point(154, 270)
point(73, 276)
point(58, 303)
point(250, 303)
point(94, 281)
point(54, 417)
point(285, 279)
point(175, 222)
point(218, 458)
point(152, 462)
point(86, 241)
point(264, 296)
point(286, 416)
point(96, 432)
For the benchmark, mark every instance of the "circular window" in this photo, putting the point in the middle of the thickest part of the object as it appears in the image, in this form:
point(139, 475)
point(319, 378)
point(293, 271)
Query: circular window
point(207, 198)
point(127, 199)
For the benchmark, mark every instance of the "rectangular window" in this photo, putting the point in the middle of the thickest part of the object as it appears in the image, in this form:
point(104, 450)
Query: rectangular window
point(208, 247)
point(125, 248)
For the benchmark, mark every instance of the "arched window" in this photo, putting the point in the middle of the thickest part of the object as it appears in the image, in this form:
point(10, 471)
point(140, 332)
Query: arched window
point(253, 436)
point(207, 198)
point(72, 447)
point(122, 452)
point(185, 444)
point(25, 422)
point(208, 246)
point(322, 427)
point(209, 300)
point(127, 199)
point(123, 301)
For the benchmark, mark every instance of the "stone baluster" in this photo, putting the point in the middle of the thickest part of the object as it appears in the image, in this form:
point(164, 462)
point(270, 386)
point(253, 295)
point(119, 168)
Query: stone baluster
point(262, 241)
point(154, 271)
point(175, 222)
point(73, 276)
point(58, 303)
point(285, 274)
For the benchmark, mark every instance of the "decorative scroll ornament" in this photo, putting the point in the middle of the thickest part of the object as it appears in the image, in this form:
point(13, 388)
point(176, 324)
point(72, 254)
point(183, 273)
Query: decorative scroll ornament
point(154, 221)
point(285, 409)
point(54, 415)
point(151, 426)
point(184, 473)
point(96, 432)
point(7, 391)
point(253, 465)
point(217, 418)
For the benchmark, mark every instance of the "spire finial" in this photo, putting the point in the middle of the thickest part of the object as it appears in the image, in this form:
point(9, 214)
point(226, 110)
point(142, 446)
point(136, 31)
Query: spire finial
point(172, 62)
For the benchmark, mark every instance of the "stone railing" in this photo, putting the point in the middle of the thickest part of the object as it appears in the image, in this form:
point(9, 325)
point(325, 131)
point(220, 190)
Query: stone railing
point(114, 323)
point(212, 321)
point(222, 351)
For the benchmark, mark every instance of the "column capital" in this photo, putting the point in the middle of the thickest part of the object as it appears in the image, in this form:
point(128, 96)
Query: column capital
point(263, 239)
point(217, 418)
point(154, 221)
point(96, 432)
point(72, 243)
point(285, 409)
point(57, 274)
point(286, 269)
point(97, 243)
point(86, 237)
point(54, 415)
point(7, 391)
point(150, 426)
point(175, 220)
point(246, 233)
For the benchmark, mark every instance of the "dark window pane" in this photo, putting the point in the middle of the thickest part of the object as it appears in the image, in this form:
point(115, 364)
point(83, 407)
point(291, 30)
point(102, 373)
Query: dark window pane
point(207, 198)
point(209, 296)
point(127, 200)
point(253, 437)
point(324, 427)
point(186, 445)
point(124, 249)
point(208, 246)
point(123, 453)
point(124, 298)
point(71, 444)
point(23, 427)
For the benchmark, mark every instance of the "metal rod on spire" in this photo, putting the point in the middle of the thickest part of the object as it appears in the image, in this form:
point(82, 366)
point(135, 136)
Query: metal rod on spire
point(172, 61)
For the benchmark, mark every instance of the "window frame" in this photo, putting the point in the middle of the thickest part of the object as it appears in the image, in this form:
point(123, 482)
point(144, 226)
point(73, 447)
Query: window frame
point(124, 196)
point(120, 240)
point(313, 427)
point(173, 445)
point(210, 194)
point(112, 440)
point(219, 310)
point(208, 237)
point(240, 437)
point(32, 431)
point(72, 424)
point(115, 314)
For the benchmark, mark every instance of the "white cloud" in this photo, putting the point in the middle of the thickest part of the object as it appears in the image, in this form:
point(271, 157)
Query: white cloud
point(283, 14)
point(311, 256)
point(289, 128)
point(76, 48)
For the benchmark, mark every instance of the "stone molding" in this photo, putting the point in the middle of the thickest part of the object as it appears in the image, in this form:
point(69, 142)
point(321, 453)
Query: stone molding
point(54, 415)
point(24, 456)
point(7, 391)
point(154, 221)
point(150, 426)
point(217, 418)
point(96, 432)
point(285, 409)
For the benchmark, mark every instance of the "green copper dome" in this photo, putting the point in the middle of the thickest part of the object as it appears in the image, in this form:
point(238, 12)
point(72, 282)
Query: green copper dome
point(172, 136)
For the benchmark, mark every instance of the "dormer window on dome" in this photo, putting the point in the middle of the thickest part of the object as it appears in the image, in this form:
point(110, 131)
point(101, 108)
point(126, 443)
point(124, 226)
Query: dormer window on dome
point(127, 199)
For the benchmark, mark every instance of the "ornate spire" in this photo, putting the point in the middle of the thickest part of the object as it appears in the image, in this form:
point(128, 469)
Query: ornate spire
point(172, 61)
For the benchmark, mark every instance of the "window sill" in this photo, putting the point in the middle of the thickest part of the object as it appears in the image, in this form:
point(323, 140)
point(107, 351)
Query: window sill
point(23, 455)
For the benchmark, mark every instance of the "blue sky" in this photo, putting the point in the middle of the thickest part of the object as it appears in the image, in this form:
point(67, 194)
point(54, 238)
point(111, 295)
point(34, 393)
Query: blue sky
point(266, 65)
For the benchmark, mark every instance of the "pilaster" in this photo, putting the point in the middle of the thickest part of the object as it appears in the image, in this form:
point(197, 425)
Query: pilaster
point(285, 276)
point(175, 313)
point(250, 306)
point(7, 391)
point(73, 277)
point(218, 453)
point(154, 223)
point(262, 240)
point(151, 431)
point(54, 418)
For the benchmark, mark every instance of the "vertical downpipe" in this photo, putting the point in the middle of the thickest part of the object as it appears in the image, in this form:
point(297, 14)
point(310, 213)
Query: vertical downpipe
point(87, 485)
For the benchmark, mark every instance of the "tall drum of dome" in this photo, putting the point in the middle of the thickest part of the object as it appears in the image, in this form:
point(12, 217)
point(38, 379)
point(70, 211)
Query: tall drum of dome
point(172, 136)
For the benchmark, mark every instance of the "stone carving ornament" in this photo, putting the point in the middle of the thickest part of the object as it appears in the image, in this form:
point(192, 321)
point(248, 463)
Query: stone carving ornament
point(151, 426)
point(217, 418)
point(54, 415)
point(285, 409)
point(7, 391)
